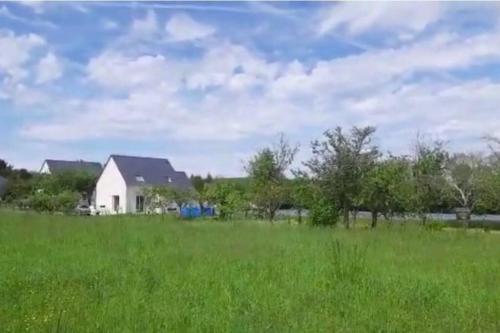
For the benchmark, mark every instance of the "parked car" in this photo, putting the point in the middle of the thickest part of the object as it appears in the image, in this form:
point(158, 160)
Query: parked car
point(83, 210)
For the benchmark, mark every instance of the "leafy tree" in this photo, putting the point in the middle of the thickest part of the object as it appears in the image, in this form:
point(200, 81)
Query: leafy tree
point(228, 197)
point(64, 201)
point(302, 193)
point(387, 188)
point(69, 180)
point(428, 173)
point(339, 164)
point(266, 171)
point(200, 184)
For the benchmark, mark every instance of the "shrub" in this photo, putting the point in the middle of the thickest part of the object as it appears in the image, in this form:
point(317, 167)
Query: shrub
point(324, 213)
point(61, 202)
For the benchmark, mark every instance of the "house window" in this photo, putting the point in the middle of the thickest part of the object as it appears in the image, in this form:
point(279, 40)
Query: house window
point(169, 180)
point(139, 179)
point(139, 203)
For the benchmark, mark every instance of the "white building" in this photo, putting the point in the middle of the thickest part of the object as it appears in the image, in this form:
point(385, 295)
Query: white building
point(119, 188)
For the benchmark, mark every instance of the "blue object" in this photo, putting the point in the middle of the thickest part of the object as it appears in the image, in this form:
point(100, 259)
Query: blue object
point(190, 212)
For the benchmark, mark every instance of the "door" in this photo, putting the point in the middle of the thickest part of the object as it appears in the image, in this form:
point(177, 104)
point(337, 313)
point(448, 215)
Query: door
point(116, 203)
point(139, 204)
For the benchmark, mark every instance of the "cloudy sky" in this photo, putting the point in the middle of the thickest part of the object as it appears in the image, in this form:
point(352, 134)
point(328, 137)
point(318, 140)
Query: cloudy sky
point(206, 84)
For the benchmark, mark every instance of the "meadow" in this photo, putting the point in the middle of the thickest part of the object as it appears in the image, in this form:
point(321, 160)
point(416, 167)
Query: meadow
point(158, 274)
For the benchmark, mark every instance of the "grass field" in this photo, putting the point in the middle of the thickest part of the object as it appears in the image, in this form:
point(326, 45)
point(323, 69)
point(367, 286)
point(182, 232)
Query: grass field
point(151, 274)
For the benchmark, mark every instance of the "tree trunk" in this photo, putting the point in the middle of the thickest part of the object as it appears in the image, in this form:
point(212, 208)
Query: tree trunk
point(374, 219)
point(424, 219)
point(346, 218)
point(299, 215)
point(272, 212)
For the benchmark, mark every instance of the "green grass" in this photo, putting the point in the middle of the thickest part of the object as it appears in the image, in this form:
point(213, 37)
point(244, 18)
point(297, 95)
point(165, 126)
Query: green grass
point(148, 274)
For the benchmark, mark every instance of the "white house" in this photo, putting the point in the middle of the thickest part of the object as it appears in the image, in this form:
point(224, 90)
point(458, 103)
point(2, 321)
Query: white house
point(54, 166)
point(119, 187)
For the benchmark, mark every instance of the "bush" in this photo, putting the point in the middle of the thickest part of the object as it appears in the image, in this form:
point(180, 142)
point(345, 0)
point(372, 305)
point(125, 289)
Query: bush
point(323, 213)
point(61, 202)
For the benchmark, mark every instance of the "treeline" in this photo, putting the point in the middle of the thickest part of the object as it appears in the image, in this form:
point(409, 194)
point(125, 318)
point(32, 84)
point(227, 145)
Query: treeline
point(349, 173)
point(60, 192)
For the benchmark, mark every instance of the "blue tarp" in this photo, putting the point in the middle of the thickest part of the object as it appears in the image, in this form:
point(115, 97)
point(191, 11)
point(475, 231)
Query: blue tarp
point(190, 212)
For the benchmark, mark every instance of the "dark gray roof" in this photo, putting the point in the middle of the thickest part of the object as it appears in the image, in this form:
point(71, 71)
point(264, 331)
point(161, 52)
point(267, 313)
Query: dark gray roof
point(3, 185)
point(93, 168)
point(154, 171)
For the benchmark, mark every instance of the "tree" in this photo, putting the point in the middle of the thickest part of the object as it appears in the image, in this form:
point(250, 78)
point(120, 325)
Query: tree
point(228, 197)
point(5, 168)
point(462, 173)
point(428, 173)
point(77, 181)
point(200, 184)
point(266, 171)
point(339, 164)
point(301, 193)
point(387, 188)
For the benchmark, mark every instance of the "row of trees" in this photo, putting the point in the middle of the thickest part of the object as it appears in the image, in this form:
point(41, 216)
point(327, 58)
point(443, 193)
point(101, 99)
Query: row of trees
point(348, 173)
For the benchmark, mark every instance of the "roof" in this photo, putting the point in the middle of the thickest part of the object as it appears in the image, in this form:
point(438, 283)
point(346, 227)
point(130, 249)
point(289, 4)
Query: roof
point(93, 168)
point(3, 185)
point(140, 171)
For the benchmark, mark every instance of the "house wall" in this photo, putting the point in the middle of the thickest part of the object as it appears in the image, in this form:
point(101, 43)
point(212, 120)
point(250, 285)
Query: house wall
point(132, 193)
point(45, 168)
point(111, 183)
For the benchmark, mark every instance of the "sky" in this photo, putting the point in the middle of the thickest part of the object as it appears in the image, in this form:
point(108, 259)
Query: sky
point(206, 84)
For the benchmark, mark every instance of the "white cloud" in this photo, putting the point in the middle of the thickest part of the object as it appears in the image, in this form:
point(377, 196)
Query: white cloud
point(48, 69)
point(145, 27)
point(143, 72)
point(230, 65)
point(359, 17)
point(231, 93)
point(16, 52)
point(182, 27)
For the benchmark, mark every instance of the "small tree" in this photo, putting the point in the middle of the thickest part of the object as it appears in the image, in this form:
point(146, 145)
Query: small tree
point(228, 197)
point(339, 164)
point(428, 174)
point(386, 188)
point(302, 193)
point(266, 171)
point(462, 174)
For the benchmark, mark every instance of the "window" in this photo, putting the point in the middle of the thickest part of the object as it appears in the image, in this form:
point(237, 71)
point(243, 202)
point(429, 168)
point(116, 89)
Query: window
point(139, 179)
point(139, 203)
point(169, 180)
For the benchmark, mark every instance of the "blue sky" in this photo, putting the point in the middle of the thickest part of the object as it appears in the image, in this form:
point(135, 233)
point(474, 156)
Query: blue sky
point(206, 84)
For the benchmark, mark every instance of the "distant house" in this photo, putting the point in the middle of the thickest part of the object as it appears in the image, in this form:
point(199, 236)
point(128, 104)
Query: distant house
point(3, 186)
point(55, 166)
point(120, 186)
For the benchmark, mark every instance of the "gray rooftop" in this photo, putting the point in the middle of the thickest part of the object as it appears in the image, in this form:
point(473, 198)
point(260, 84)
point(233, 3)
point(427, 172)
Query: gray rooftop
point(93, 168)
point(150, 171)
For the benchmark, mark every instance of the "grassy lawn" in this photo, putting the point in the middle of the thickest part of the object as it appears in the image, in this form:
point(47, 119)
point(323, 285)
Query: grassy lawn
point(151, 274)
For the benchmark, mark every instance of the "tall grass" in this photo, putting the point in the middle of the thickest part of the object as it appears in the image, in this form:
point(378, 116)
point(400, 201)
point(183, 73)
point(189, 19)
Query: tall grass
point(151, 274)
